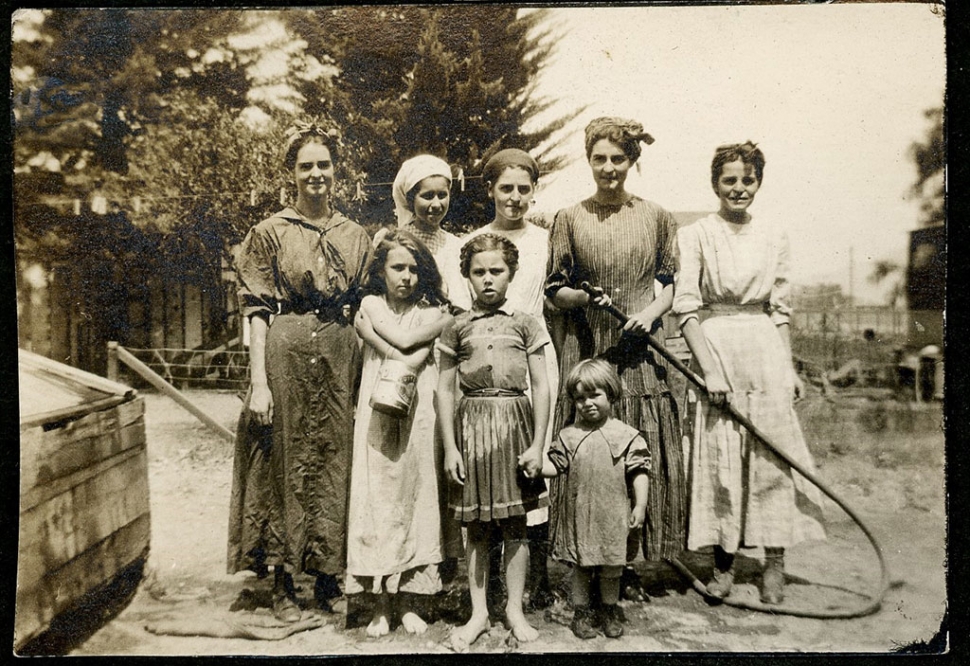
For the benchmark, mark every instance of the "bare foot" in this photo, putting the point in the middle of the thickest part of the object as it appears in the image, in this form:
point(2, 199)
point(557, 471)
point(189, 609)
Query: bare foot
point(465, 635)
point(521, 629)
point(378, 627)
point(413, 624)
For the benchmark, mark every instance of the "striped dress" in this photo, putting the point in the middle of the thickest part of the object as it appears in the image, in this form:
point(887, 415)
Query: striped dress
point(624, 249)
point(736, 276)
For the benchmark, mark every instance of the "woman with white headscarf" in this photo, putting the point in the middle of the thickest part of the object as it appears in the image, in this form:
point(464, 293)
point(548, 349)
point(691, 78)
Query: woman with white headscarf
point(422, 194)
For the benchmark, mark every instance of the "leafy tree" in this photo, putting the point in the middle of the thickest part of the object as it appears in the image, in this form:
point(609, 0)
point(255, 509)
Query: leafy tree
point(929, 156)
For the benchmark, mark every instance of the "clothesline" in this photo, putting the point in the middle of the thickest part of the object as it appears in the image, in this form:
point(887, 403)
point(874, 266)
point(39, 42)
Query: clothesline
point(99, 203)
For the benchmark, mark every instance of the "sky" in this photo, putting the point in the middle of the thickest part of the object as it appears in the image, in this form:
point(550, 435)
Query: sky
point(833, 94)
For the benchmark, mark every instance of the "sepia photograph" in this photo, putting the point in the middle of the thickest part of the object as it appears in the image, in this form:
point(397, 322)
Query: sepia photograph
point(327, 315)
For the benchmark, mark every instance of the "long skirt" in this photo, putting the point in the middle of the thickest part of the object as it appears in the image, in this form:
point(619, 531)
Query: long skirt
point(741, 492)
point(291, 481)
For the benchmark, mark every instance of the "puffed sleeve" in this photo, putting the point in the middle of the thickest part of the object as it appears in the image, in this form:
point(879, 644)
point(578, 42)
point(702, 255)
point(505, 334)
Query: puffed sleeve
point(687, 281)
point(447, 342)
point(363, 256)
point(666, 260)
point(637, 457)
point(558, 455)
point(256, 271)
point(560, 269)
point(779, 302)
point(533, 332)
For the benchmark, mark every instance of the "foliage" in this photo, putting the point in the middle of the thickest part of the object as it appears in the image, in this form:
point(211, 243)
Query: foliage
point(929, 157)
point(176, 116)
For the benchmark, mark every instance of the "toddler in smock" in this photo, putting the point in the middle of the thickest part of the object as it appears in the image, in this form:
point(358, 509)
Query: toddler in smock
point(604, 462)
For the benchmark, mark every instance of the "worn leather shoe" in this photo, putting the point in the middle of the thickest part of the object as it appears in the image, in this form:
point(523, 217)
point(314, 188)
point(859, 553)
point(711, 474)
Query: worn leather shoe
point(612, 626)
point(285, 609)
point(582, 624)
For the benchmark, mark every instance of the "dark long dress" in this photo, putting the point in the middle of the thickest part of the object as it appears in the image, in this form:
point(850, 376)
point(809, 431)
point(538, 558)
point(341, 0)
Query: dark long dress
point(291, 481)
point(623, 249)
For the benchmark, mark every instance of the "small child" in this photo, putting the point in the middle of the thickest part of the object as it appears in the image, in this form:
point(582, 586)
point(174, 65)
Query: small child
point(494, 436)
point(602, 459)
point(394, 531)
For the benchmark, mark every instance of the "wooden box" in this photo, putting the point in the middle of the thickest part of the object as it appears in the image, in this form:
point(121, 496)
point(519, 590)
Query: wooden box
point(84, 504)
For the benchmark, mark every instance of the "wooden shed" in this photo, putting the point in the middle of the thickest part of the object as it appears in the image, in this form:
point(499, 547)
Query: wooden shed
point(84, 504)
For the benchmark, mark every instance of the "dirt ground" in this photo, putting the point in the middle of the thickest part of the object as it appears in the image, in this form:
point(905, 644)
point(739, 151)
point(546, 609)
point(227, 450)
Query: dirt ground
point(888, 465)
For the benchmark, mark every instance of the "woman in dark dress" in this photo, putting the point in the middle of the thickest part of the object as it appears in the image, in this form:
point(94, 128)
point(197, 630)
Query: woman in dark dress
point(622, 244)
point(299, 274)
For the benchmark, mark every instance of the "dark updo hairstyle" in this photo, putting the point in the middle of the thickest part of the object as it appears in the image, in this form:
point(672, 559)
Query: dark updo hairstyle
point(594, 373)
point(747, 152)
point(627, 134)
point(507, 159)
point(429, 289)
point(486, 243)
point(302, 134)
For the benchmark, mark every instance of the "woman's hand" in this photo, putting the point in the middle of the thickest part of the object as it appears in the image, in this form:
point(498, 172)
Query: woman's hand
point(454, 466)
point(261, 404)
point(601, 300)
point(637, 516)
point(717, 390)
point(642, 322)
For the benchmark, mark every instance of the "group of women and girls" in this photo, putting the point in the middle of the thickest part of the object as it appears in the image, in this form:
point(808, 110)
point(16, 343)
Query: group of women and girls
point(520, 374)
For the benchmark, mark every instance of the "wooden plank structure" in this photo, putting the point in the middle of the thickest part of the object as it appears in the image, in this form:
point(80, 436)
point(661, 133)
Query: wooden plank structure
point(84, 503)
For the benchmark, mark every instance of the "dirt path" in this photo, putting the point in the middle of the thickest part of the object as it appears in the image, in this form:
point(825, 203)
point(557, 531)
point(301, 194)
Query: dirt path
point(893, 480)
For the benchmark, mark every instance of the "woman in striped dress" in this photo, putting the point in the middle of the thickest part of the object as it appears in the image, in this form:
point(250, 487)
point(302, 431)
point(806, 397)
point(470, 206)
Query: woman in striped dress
point(735, 268)
point(623, 244)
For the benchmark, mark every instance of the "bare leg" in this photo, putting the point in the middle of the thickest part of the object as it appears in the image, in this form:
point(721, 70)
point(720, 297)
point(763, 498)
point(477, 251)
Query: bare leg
point(412, 622)
point(380, 625)
point(516, 565)
point(464, 636)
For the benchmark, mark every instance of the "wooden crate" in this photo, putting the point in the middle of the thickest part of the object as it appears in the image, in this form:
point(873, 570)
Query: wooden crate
point(84, 503)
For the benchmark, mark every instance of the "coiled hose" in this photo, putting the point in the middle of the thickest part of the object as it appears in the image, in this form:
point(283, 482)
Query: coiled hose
point(874, 601)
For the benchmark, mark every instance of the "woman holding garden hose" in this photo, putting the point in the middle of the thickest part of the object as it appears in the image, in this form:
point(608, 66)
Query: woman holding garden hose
point(622, 244)
point(732, 298)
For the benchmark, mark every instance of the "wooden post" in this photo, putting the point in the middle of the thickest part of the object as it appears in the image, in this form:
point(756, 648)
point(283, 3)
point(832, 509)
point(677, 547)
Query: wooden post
point(152, 378)
point(113, 360)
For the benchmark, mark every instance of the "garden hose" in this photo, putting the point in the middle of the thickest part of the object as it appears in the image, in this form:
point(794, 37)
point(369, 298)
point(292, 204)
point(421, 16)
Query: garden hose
point(874, 602)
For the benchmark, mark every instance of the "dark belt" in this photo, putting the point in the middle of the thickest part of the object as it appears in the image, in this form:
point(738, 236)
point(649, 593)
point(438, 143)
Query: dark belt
point(323, 314)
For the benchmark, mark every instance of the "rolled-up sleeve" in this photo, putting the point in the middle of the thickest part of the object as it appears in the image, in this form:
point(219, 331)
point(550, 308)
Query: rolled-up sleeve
point(637, 459)
point(561, 264)
point(779, 302)
point(687, 283)
point(666, 260)
point(256, 272)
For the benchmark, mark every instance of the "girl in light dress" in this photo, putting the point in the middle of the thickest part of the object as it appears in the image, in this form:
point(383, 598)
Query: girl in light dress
point(394, 542)
point(603, 462)
point(732, 298)
point(494, 435)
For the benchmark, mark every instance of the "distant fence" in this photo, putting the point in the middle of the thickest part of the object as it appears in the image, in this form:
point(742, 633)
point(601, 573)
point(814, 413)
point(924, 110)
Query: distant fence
point(224, 367)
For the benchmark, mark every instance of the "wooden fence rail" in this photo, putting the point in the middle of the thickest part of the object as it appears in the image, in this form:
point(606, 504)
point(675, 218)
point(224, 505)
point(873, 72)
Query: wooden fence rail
point(117, 353)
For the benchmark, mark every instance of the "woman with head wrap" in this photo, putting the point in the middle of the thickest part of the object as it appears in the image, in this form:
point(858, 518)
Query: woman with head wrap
point(511, 176)
point(299, 275)
point(422, 194)
point(623, 244)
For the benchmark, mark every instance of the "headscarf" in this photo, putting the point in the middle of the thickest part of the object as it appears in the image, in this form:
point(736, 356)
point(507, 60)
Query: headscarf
point(412, 172)
point(510, 157)
point(627, 133)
